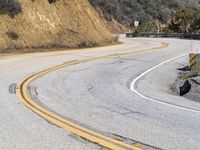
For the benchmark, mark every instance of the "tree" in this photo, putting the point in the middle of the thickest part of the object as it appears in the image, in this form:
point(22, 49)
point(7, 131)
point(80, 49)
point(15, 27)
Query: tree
point(196, 23)
point(174, 26)
point(184, 18)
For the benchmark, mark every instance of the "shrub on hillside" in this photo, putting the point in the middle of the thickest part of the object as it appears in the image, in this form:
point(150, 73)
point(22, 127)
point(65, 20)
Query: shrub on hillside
point(51, 1)
point(148, 12)
point(10, 7)
point(12, 35)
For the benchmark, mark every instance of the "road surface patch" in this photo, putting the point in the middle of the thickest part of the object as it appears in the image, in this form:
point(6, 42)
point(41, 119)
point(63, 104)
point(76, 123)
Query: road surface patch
point(134, 82)
point(92, 136)
point(12, 88)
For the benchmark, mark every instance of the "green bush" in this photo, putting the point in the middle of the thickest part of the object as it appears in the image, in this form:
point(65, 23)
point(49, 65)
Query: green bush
point(147, 12)
point(10, 7)
point(52, 1)
point(12, 35)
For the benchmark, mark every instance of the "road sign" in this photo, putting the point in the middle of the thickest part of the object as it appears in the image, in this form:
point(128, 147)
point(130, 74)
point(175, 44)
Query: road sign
point(136, 23)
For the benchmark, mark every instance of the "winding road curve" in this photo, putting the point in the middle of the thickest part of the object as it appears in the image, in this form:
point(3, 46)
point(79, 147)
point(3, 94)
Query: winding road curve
point(116, 97)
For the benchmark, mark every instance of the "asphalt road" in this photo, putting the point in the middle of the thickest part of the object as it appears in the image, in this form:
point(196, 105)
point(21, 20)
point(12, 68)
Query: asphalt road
point(97, 95)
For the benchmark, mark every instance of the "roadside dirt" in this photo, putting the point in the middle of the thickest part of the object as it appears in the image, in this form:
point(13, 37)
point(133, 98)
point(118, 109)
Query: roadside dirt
point(193, 87)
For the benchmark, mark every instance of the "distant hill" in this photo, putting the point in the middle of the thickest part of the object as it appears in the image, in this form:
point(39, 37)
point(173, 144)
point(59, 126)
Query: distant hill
point(145, 11)
point(35, 24)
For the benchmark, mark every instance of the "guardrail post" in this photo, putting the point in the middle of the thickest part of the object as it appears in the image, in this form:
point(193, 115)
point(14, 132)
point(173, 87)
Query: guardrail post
point(192, 60)
point(198, 63)
point(194, 63)
point(195, 36)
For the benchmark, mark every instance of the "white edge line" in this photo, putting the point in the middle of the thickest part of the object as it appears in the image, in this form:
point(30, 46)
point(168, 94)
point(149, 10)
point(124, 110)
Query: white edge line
point(133, 87)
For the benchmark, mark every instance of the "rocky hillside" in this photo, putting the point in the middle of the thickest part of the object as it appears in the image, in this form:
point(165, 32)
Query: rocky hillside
point(148, 12)
point(36, 24)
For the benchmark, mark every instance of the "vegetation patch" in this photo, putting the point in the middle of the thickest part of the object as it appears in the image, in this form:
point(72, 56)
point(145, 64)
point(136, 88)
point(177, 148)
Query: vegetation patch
point(12, 35)
point(52, 1)
point(153, 15)
point(10, 7)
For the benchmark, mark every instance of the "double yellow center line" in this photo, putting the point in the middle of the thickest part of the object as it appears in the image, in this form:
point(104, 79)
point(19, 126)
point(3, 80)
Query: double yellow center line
point(93, 136)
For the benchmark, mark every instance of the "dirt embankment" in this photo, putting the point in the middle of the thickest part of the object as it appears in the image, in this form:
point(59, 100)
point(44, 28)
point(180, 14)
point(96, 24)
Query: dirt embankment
point(113, 25)
point(52, 24)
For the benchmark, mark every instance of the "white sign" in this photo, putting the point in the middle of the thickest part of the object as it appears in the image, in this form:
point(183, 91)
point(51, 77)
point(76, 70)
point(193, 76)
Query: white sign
point(136, 23)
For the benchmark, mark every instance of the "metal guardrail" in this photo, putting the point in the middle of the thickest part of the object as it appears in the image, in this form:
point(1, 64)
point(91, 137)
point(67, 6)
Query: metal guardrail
point(194, 36)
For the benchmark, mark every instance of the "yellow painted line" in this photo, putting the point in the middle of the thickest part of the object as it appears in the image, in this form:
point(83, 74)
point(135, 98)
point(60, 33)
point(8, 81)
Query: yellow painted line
point(138, 145)
point(34, 105)
point(86, 133)
point(68, 128)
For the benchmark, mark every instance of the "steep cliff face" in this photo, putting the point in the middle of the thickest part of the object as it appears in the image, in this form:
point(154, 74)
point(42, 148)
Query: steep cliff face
point(52, 23)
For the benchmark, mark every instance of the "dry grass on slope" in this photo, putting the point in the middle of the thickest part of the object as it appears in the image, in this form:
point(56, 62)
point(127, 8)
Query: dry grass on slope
point(52, 24)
